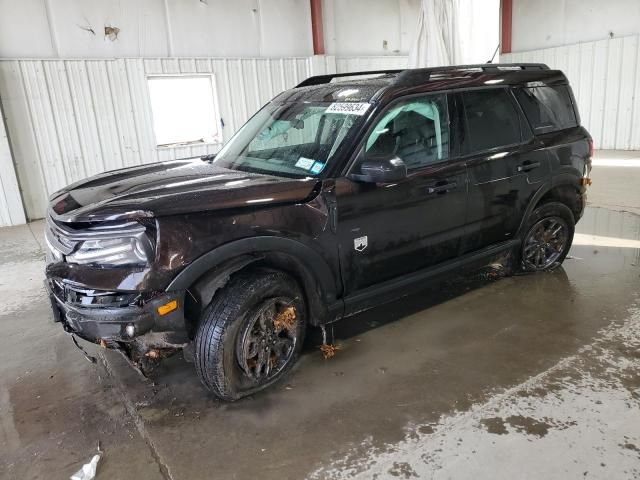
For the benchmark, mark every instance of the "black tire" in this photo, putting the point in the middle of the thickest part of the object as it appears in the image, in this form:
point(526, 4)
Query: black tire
point(229, 328)
point(545, 219)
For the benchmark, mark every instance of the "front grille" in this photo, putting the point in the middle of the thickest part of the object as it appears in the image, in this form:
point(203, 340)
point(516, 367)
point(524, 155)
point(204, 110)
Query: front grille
point(95, 298)
point(59, 238)
point(85, 297)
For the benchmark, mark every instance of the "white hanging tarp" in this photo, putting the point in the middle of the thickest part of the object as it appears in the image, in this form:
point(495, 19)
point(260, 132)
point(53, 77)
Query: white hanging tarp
point(434, 35)
point(451, 32)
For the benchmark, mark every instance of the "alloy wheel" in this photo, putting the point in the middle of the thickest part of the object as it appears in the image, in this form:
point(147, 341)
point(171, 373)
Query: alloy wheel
point(268, 340)
point(545, 243)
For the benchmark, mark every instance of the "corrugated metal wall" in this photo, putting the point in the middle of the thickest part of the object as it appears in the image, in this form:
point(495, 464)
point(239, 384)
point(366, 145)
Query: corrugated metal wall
point(11, 210)
point(605, 77)
point(69, 119)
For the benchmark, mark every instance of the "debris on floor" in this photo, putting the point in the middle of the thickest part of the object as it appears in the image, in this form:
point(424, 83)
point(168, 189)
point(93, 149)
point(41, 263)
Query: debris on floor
point(328, 349)
point(88, 470)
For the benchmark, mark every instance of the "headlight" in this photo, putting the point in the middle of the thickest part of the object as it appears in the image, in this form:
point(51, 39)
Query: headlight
point(113, 252)
point(103, 245)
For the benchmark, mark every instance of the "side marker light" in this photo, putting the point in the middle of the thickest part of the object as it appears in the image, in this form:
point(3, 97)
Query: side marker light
point(167, 307)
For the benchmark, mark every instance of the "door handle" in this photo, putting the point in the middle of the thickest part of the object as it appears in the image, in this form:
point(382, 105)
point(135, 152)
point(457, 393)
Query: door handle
point(525, 167)
point(441, 188)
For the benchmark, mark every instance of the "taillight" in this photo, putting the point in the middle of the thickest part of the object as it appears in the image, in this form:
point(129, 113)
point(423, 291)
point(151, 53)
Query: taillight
point(585, 181)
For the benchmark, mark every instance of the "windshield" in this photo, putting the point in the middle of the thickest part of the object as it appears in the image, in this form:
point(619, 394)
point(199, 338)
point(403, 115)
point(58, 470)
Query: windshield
point(293, 139)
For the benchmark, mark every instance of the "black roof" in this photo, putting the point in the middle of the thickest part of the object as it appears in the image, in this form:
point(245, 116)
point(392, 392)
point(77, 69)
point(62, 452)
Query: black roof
point(370, 85)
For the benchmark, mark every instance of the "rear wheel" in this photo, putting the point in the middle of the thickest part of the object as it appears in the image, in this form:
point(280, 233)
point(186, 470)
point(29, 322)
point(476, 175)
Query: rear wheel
point(251, 334)
point(548, 237)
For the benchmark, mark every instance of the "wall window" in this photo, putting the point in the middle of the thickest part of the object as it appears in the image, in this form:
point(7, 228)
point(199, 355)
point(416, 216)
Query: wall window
point(492, 120)
point(184, 109)
point(415, 130)
point(547, 108)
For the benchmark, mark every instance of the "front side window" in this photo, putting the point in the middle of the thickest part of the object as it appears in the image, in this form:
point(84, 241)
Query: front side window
point(548, 109)
point(415, 130)
point(492, 120)
point(293, 140)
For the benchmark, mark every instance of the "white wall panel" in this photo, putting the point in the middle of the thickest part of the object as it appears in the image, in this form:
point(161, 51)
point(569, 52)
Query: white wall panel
point(21, 130)
point(546, 23)
point(359, 64)
point(154, 28)
point(178, 28)
point(70, 119)
point(11, 209)
point(369, 27)
point(605, 77)
point(24, 29)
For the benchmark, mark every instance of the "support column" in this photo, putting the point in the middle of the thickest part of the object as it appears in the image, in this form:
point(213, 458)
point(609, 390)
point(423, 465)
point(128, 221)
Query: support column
point(317, 31)
point(506, 13)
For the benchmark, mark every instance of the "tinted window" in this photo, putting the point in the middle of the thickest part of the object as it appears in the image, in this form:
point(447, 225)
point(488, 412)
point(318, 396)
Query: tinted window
point(547, 108)
point(492, 119)
point(415, 130)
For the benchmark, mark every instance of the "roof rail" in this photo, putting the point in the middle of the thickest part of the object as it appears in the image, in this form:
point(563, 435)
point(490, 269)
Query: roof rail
point(322, 79)
point(410, 76)
point(488, 66)
point(404, 73)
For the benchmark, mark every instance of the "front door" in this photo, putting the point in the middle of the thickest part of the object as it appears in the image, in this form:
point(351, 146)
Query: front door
point(389, 230)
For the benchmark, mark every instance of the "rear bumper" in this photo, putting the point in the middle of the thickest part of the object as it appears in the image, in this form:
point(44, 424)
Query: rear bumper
point(583, 204)
point(109, 323)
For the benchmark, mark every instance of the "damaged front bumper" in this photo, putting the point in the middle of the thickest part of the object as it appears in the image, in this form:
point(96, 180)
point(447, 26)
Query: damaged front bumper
point(110, 318)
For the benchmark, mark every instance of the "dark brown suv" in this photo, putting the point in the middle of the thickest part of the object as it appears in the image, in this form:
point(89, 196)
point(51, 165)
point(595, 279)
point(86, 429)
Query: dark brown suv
point(338, 195)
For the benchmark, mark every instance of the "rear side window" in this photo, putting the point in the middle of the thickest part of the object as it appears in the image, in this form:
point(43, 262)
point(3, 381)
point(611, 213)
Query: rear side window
point(492, 120)
point(547, 108)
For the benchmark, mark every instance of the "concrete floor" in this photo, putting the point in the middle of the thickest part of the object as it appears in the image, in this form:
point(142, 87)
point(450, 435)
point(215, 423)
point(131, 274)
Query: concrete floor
point(533, 376)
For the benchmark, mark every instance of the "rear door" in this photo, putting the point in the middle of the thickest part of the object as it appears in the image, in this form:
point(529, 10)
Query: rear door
point(552, 115)
point(506, 165)
point(389, 230)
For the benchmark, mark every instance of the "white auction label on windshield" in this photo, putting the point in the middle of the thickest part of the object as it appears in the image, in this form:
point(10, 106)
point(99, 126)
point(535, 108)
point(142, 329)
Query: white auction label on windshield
point(348, 108)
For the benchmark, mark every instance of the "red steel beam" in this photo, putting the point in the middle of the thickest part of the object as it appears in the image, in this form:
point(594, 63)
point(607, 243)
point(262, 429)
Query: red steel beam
point(506, 13)
point(316, 27)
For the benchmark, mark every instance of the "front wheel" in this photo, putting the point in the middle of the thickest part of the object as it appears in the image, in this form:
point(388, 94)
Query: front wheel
point(548, 237)
point(251, 333)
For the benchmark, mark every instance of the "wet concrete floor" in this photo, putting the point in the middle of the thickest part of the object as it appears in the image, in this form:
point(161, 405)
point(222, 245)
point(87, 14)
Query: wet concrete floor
point(534, 376)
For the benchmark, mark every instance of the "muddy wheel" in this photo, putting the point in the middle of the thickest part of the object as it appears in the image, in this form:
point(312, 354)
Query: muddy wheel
point(548, 237)
point(251, 334)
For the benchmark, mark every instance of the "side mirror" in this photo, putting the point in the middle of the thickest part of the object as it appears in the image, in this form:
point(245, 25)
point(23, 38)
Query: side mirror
point(380, 169)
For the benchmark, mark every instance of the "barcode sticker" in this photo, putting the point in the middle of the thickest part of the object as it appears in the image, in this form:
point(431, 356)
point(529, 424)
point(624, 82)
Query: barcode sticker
point(348, 108)
point(305, 163)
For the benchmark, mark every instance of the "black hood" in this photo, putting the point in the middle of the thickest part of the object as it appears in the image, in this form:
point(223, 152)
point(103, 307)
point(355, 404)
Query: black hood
point(167, 188)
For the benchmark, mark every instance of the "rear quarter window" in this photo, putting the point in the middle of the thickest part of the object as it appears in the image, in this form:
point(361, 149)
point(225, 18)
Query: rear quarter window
point(548, 109)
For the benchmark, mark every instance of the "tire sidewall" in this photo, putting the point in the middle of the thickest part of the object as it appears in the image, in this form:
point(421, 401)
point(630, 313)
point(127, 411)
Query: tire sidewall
point(220, 370)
